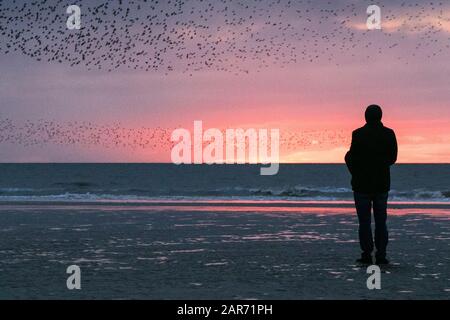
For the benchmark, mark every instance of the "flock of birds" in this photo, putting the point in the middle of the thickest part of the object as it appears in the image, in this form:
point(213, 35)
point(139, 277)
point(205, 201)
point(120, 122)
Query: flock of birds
point(188, 36)
point(88, 134)
point(238, 36)
point(44, 132)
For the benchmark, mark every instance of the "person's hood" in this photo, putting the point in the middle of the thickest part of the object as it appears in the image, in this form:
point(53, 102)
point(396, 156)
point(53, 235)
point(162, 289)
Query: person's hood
point(374, 114)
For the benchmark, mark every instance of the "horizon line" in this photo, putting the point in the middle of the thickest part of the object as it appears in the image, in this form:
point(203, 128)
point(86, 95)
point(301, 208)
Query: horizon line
point(214, 164)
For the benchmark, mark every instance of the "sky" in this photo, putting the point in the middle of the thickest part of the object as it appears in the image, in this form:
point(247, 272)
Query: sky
point(307, 68)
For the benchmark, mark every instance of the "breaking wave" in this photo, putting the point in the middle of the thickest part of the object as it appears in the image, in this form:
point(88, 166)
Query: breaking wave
point(234, 193)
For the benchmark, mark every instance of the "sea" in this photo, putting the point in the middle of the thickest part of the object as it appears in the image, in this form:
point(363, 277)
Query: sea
point(153, 182)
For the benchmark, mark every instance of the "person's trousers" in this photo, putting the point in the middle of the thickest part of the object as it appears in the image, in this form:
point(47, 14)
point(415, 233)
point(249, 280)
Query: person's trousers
point(364, 203)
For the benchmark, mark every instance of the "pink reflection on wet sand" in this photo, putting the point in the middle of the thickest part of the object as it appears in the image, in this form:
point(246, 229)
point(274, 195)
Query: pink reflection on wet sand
point(325, 211)
point(272, 208)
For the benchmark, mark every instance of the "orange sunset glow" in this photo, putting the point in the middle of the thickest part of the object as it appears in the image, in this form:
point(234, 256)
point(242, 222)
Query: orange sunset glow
point(312, 81)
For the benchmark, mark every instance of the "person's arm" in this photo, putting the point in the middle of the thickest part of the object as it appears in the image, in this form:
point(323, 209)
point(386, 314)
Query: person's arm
point(393, 149)
point(349, 155)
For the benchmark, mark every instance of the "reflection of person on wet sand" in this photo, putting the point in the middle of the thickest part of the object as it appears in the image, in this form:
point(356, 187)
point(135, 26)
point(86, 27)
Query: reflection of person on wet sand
point(372, 152)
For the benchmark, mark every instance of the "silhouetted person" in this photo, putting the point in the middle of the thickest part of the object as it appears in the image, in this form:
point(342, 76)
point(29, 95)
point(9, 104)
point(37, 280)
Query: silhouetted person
point(372, 152)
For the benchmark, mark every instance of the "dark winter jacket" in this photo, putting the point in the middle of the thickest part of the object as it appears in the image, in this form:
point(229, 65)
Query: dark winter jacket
point(372, 152)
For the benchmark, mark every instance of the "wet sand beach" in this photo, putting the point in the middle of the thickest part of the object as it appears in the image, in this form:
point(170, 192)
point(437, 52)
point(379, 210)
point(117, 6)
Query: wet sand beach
point(208, 251)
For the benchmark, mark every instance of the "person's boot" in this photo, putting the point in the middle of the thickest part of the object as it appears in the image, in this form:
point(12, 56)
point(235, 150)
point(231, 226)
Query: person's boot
point(366, 258)
point(381, 261)
point(380, 258)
